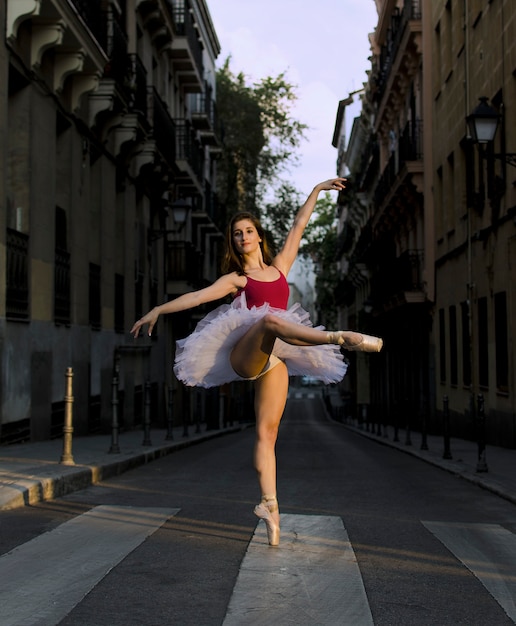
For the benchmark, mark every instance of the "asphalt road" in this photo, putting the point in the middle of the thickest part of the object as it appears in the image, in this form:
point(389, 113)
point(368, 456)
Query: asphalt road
point(431, 549)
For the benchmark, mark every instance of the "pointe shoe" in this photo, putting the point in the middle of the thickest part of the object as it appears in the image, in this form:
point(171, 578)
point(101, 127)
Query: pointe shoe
point(268, 505)
point(368, 343)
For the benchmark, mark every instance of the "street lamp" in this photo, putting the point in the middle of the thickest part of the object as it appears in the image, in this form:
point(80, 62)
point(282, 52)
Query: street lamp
point(179, 210)
point(368, 306)
point(483, 123)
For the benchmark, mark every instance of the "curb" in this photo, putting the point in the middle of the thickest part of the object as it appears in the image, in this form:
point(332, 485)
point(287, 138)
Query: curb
point(64, 479)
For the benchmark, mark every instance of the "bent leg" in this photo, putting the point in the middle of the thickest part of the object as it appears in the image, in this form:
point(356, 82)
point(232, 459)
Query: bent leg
point(250, 355)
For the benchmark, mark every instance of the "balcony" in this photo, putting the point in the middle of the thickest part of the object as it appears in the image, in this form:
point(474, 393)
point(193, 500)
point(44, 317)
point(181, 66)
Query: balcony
point(396, 63)
point(402, 173)
point(399, 281)
point(62, 41)
point(93, 16)
point(189, 157)
point(136, 85)
point(128, 74)
point(345, 240)
point(345, 293)
point(117, 52)
point(203, 114)
point(186, 49)
point(164, 129)
point(183, 265)
point(212, 207)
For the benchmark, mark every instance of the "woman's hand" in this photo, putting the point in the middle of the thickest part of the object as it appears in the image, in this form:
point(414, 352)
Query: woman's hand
point(151, 318)
point(337, 184)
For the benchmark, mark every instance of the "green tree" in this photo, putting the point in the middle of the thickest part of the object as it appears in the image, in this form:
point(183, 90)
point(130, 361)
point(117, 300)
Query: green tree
point(260, 138)
point(320, 244)
point(278, 215)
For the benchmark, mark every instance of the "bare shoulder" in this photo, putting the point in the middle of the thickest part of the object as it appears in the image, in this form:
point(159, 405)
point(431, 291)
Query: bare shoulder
point(226, 285)
point(237, 281)
point(281, 263)
point(229, 283)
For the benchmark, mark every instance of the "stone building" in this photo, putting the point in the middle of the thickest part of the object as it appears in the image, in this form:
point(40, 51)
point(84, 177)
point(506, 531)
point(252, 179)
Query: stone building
point(428, 242)
point(474, 185)
point(107, 205)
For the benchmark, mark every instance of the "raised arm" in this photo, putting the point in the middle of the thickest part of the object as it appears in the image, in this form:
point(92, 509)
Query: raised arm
point(287, 255)
point(229, 283)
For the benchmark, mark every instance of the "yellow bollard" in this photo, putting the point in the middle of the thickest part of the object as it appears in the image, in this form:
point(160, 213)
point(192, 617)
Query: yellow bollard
point(66, 457)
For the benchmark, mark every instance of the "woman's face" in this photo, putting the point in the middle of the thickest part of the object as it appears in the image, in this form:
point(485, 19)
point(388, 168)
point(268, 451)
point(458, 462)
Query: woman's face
point(245, 236)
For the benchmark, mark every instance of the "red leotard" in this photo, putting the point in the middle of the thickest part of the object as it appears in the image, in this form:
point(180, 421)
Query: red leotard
point(257, 292)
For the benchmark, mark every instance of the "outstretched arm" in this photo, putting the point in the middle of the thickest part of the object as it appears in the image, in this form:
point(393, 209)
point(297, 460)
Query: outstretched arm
point(222, 287)
point(287, 255)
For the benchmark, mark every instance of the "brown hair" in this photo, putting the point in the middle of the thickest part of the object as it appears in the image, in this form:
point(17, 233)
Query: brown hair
point(232, 261)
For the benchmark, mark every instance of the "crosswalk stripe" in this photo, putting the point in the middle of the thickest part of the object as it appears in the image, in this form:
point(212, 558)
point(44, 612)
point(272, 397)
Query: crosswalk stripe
point(43, 579)
point(489, 552)
point(312, 577)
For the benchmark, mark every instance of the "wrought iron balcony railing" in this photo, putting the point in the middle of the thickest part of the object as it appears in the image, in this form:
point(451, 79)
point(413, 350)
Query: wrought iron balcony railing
point(164, 129)
point(95, 19)
point(398, 276)
point(118, 65)
point(184, 27)
point(410, 148)
point(411, 10)
point(204, 113)
point(187, 147)
point(183, 262)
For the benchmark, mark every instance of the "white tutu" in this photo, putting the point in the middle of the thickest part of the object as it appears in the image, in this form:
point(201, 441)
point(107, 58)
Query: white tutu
point(202, 358)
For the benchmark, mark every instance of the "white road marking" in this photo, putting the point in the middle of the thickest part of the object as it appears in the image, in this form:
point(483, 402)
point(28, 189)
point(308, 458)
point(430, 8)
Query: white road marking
point(312, 577)
point(43, 579)
point(489, 552)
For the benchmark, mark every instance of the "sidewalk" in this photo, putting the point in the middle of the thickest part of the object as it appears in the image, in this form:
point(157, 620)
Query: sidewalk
point(500, 477)
point(501, 462)
point(32, 472)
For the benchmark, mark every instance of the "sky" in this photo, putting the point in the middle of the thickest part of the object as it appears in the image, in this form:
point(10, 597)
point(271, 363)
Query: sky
point(323, 48)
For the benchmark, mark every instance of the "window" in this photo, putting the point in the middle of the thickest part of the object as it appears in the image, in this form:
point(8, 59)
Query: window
point(501, 342)
point(94, 297)
point(453, 346)
point(483, 354)
point(119, 303)
point(466, 345)
point(139, 268)
point(438, 65)
point(61, 270)
point(447, 40)
point(442, 347)
point(17, 276)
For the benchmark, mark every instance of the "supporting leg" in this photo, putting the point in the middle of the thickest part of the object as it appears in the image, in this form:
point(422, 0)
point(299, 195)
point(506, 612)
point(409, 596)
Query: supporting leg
point(270, 399)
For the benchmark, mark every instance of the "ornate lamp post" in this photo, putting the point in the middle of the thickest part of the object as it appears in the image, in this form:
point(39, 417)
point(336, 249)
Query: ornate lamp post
point(483, 123)
point(178, 211)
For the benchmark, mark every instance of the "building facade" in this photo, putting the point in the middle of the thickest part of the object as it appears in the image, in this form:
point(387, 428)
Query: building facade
point(474, 56)
point(387, 285)
point(428, 245)
point(108, 206)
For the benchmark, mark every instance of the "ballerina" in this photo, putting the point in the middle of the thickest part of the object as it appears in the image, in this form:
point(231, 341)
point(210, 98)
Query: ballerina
point(257, 338)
